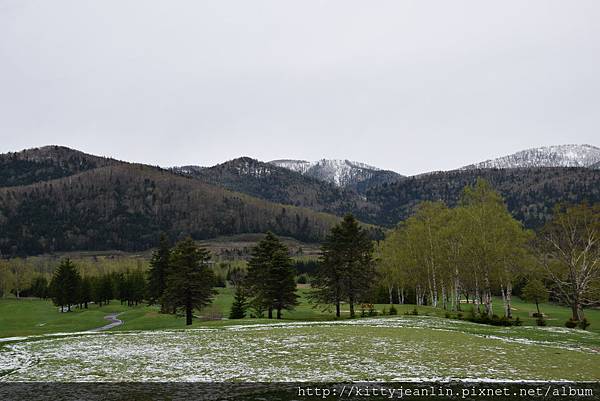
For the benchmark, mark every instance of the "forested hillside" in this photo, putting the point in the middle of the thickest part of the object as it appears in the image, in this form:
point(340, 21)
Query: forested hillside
point(46, 163)
point(278, 184)
point(126, 206)
point(530, 193)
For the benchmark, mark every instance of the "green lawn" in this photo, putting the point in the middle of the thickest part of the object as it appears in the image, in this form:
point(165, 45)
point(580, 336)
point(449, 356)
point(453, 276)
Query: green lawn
point(32, 316)
point(307, 345)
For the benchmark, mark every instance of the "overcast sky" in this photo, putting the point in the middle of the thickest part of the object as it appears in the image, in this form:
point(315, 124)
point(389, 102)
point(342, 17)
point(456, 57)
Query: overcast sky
point(411, 86)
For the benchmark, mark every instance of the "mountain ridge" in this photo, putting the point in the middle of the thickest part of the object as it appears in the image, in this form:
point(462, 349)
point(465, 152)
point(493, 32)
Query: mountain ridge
point(569, 155)
point(60, 199)
point(340, 172)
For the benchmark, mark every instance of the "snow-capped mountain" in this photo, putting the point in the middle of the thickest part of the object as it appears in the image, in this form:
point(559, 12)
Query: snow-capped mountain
point(342, 173)
point(187, 170)
point(547, 156)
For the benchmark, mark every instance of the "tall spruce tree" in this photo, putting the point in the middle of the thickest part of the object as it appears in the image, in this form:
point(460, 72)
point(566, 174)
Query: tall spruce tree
point(157, 274)
point(65, 285)
point(240, 304)
point(190, 280)
point(85, 292)
point(271, 276)
point(346, 271)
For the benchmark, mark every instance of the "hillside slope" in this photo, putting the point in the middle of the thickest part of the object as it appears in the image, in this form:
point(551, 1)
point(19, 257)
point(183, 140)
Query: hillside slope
point(126, 206)
point(46, 163)
point(281, 185)
point(530, 193)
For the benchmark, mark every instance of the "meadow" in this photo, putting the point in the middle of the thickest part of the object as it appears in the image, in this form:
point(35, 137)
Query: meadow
point(306, 345)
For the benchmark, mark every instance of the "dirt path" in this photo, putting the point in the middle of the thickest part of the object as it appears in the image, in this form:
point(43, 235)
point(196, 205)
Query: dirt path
point(114, 322)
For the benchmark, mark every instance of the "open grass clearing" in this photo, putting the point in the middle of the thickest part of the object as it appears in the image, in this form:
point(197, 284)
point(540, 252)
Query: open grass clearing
point(393, 348)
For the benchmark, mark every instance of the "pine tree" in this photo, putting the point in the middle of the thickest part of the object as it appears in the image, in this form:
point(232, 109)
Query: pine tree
point(346, 270)
point(65, 285)
point(85, 292)
point(240, 304)
point(271, 276)
point(39, 287)
point(190, 280)
point(157, 273)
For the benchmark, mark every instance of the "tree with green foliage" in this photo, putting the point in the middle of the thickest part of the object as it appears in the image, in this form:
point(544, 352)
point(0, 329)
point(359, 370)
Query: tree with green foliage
point(474, 249)
point(570, 255)
point(136, 283)
point(64, 286)
point(493, 238)
point(157, 273)
point(236, 278)
point(190, 280)
point(39, 287)
point(240, 304)
point(102, 289)
point(346, 271)
point(85, 291)
point(271, 276)
point(535, 291)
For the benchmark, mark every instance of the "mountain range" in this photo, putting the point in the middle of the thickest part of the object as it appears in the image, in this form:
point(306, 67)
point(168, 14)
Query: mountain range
point(59, 199)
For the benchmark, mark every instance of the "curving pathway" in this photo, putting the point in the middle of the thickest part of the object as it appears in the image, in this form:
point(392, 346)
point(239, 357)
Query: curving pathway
point(114, 322)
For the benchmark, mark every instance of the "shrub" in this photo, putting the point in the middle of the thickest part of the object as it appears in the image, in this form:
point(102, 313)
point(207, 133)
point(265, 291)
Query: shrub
point(571, 323)
point(583, 324)
point(495, 320)
point(393, 310)
point(302, 279)
point(384, 312)
point(372, 310)
point(447, 315)
point(459, 315)
point(541, 321)
point(415, 312)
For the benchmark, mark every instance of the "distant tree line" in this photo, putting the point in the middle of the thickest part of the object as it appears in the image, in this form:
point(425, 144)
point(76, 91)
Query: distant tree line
point(68, 288)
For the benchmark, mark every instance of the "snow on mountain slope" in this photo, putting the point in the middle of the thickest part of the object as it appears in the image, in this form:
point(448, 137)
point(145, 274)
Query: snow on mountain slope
point(342, 173)
point(547, 156)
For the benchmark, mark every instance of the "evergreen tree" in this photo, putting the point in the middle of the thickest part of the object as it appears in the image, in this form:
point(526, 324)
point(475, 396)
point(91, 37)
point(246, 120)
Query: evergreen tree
point(65, 285)
point(105, 290)
point(190, 280)
point(39, 287)
point(240, 304)
point(85, 292)
point(121, 286)
point(157, 273)
point(271, 276)
point(346, 271)
point(137, 287)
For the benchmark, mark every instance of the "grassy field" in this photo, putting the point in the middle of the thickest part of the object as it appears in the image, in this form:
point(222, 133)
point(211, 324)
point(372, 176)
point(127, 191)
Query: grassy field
point(32, 316)
point(392, 348)
point(307, 345)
